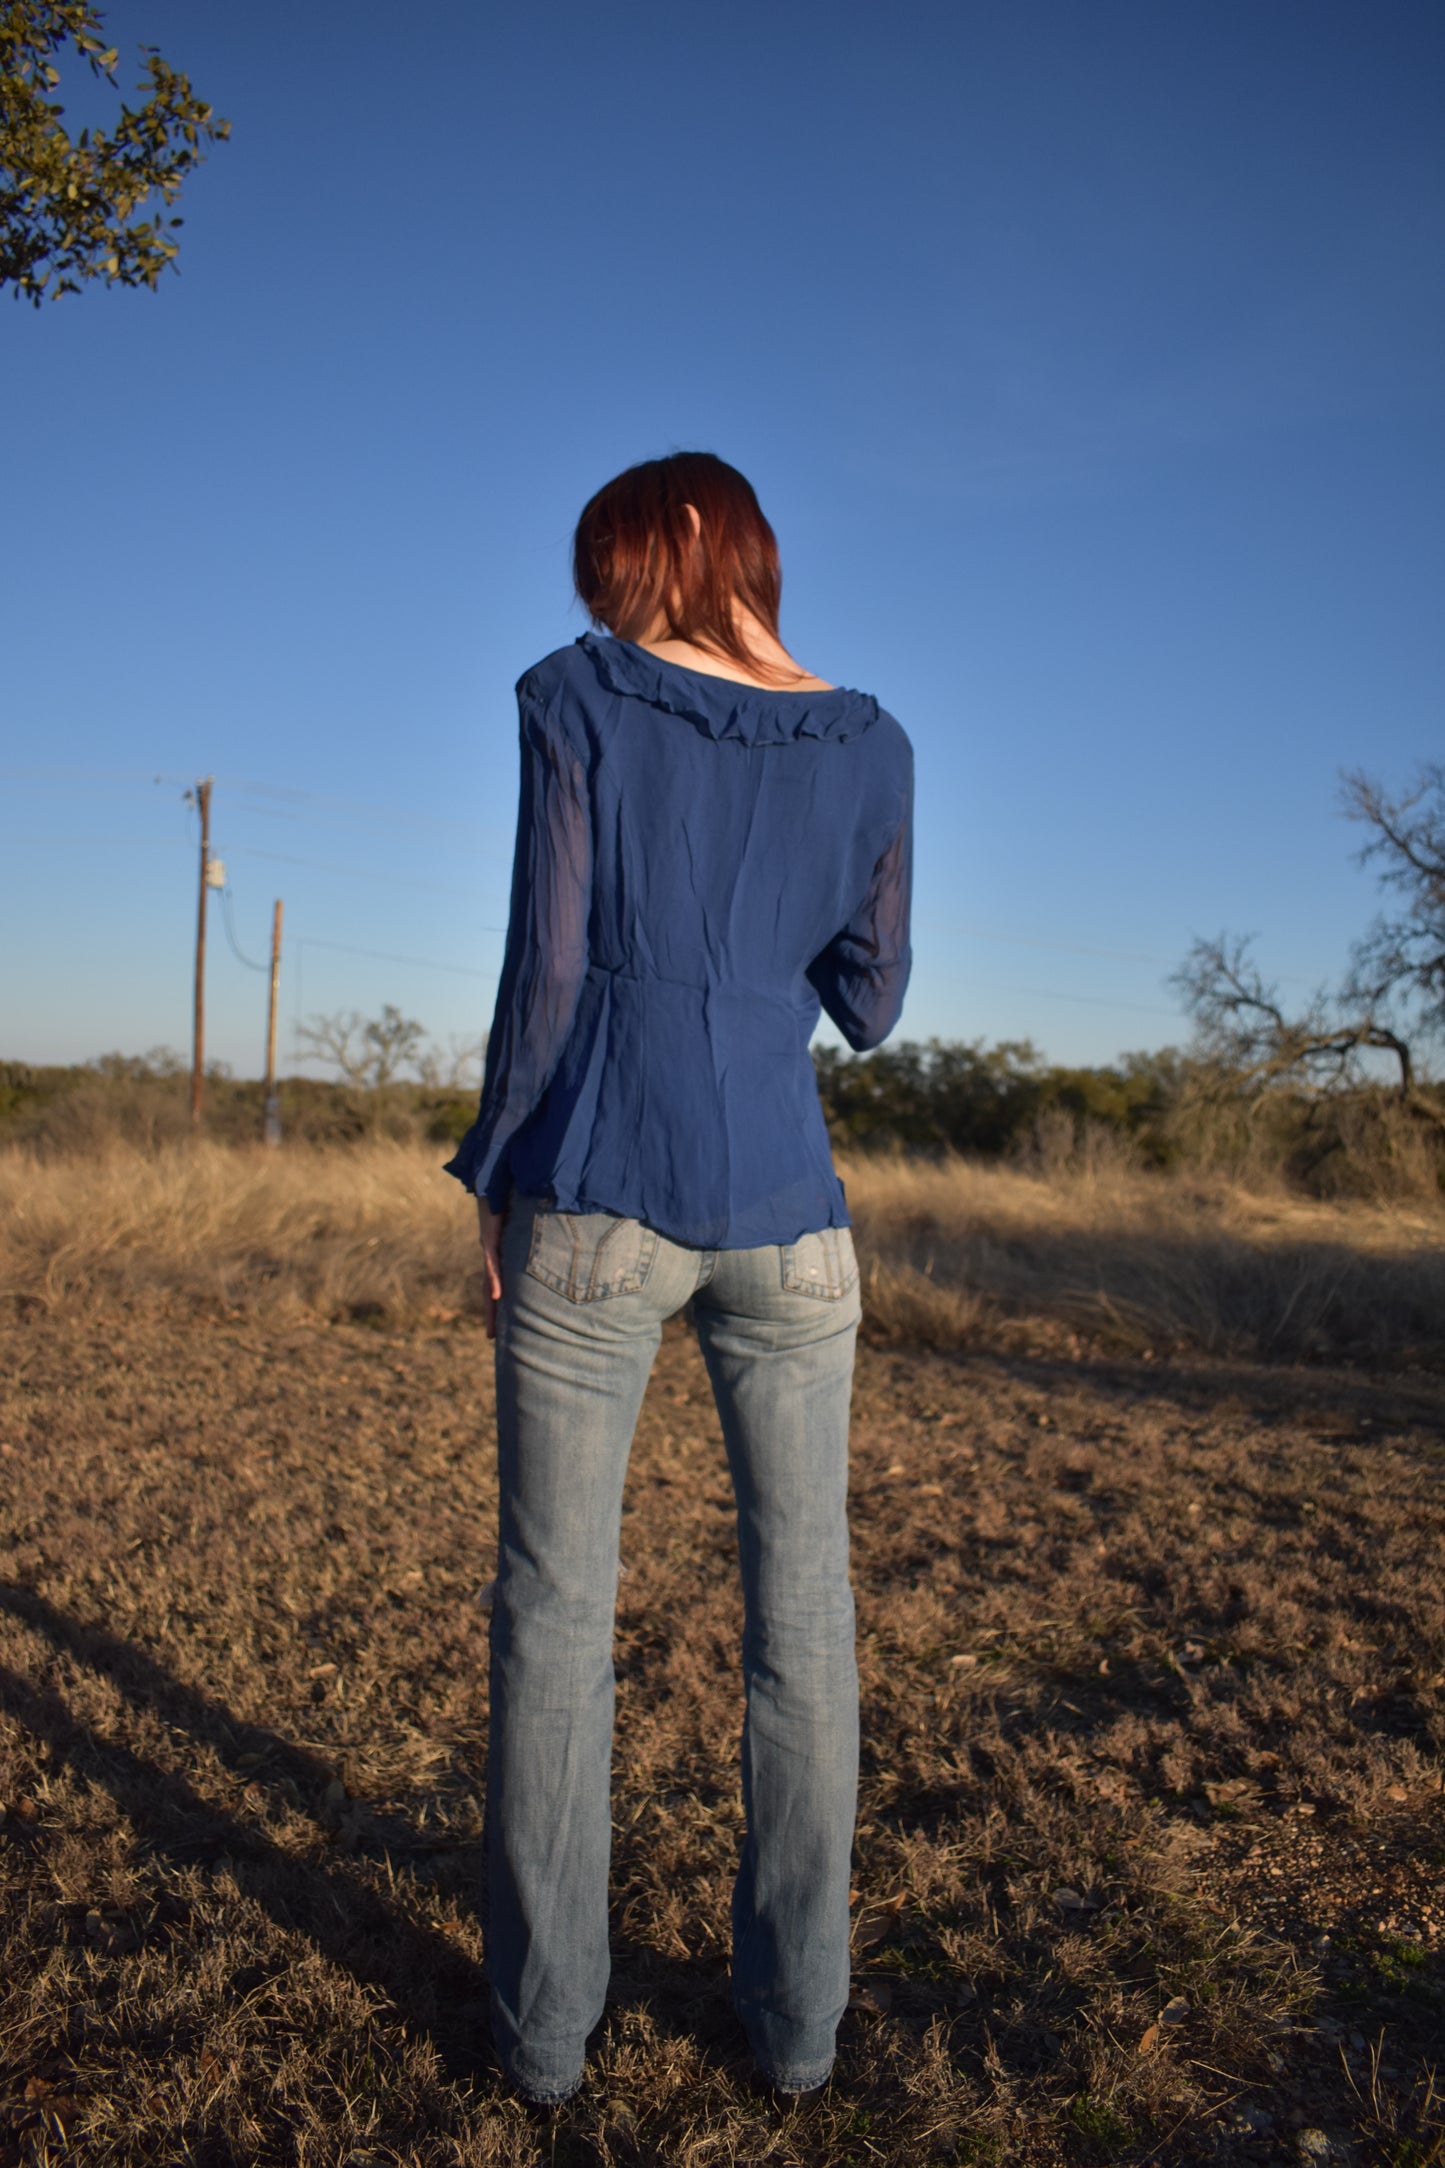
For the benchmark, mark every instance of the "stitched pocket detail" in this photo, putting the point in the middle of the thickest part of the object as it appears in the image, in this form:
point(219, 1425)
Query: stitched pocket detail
point(822, 1264)
point(590, 1256)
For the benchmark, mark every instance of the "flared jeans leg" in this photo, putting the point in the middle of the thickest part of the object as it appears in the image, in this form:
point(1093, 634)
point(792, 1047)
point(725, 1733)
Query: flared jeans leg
point(571, 1374)
point(781, 1365)
point(581, 1318)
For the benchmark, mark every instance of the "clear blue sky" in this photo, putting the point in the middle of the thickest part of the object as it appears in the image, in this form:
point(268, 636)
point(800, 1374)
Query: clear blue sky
point(1087, 360)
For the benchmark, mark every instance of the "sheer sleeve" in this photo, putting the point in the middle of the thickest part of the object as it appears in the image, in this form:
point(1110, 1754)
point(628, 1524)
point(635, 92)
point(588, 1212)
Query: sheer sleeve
point(862, 975)
point(545, 959)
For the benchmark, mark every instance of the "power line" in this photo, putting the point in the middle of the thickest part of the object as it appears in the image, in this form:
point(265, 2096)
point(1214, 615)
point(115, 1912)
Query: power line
point(67, 774)
point(361, 873)
point(351, 813)
point(1079, 948)
point(369, 873)
point(1063, 948)
point(280, 858)
point(288, 794)
point(303, 798)
point(124, 778)
point(423, 963)
point(1047, 993)
point(228, 922)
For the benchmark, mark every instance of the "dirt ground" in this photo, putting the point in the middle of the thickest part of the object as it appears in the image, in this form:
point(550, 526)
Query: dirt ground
point(1151, 1854)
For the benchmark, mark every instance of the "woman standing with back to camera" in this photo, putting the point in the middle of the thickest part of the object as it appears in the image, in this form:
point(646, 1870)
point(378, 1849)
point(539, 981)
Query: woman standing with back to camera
point(710, 844)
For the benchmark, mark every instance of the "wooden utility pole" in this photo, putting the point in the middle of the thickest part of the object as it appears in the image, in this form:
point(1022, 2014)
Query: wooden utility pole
point(272, 1128)
point(198, 1036)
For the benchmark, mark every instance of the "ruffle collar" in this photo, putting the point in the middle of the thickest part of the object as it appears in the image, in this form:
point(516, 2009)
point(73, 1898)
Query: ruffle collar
point(722, 707)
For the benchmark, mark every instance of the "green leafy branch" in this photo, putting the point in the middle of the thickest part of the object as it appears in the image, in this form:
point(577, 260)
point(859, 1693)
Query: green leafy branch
point(68, 206)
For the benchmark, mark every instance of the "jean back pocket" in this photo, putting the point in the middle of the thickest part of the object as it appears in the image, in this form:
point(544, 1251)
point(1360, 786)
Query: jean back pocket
point(590, 1256)
point(822, 1264)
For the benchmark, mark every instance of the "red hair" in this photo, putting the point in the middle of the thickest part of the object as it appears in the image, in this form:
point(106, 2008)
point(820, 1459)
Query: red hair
point(635, 554)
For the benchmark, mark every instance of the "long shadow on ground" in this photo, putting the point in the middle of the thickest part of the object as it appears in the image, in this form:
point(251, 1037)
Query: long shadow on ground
point(434, 1987)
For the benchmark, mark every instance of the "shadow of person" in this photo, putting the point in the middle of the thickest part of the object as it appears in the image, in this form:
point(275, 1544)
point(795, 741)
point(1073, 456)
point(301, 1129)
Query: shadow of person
point(435, 1991)
point(1284, 1391)
point(329, 1898)
point(685, 1998)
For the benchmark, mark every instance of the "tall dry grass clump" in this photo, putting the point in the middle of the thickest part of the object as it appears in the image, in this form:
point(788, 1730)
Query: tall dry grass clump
point(953, 1251)
point(372, 1229)
point(959, 1250)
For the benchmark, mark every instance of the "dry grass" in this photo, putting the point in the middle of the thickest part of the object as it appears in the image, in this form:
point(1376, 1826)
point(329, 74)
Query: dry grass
point(1151, 1849)
point(1148, 1264)
point(957, 1254)
point(375, 1228)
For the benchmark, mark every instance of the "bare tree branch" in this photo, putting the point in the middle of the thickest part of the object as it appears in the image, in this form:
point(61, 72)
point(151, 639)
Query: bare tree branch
point(456, 1068)
point(1399, 963)
point(1391, 1001)
point(393, 1042)
point(370, 1052)
point(338, 1041)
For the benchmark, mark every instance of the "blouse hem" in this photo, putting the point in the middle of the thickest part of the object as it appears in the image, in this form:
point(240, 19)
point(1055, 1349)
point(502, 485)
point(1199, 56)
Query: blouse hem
point(574, 1201)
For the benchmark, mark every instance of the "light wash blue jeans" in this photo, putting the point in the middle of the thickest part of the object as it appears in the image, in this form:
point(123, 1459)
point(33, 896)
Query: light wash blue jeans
point(584, 1299)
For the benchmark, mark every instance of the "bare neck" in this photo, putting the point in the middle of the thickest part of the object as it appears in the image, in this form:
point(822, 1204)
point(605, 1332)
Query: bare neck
point(784, 675)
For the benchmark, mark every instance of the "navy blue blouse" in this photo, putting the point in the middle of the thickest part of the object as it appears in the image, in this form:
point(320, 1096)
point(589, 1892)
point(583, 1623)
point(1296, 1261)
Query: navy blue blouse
point(700, 864)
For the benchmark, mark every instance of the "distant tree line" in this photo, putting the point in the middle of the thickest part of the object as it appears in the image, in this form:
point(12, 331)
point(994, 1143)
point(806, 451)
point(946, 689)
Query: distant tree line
point(968, 1096)
point(1333, 1095)
point(1166, 1110)
point(1171, 1109)
point(143, 1100)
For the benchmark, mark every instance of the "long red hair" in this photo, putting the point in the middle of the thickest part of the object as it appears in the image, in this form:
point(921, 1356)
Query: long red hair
point(635, 554)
